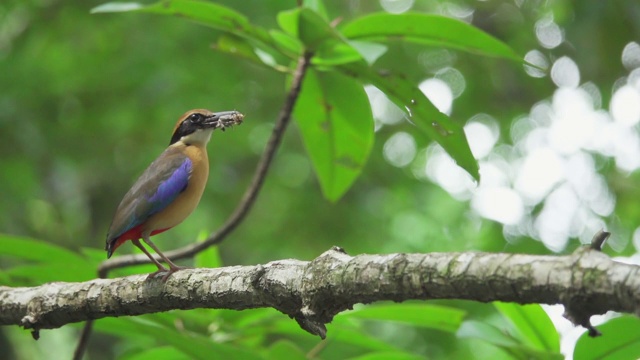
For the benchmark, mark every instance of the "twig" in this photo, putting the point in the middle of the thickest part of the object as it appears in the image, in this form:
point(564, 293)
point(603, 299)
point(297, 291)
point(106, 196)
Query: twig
point(598, 240)
point(84, 340)
point(238, 214)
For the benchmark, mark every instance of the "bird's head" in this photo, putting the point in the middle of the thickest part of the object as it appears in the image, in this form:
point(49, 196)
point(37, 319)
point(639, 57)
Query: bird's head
point(196, 126)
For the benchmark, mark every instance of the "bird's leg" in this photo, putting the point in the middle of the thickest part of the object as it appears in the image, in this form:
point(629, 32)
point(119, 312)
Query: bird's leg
point(172, 267)
point(161, 268)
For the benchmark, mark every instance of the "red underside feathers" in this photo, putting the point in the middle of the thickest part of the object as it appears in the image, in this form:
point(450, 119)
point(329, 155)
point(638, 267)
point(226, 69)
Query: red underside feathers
point(134, 234)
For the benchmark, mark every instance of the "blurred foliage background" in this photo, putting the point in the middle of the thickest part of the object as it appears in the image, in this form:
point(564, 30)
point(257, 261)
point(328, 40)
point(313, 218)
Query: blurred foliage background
point(88, 101)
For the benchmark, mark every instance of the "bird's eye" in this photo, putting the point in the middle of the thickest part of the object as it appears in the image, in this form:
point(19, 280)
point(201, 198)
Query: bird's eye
point(194, 117)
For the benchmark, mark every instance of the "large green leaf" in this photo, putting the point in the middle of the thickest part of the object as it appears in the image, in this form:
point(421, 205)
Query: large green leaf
point(335, 120)
point(308, 26)
point(422, 113)
point(284, 349)
point(424, 315)
point(486, 332)
point(620, 340)
point(338, 331)
point(35, 274)
point(317, 6)
point(30, 249)
point(208, 14)
point(388, 355)
point(45, 262)
point(158, 353)
point(317, 35)
point(241, 48)
point(204, 12)
point(428, 29)
point(533, 324)
point(194, 345)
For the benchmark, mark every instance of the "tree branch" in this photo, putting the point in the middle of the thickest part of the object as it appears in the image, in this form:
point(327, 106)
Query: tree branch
point(587, 282)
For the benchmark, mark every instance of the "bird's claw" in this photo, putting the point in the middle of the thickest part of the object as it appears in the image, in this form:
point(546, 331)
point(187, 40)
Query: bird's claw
point(166, 272)
point(156, 273)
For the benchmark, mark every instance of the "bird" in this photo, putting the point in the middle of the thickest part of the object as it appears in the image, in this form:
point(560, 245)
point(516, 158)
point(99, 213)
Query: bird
point(170, 188)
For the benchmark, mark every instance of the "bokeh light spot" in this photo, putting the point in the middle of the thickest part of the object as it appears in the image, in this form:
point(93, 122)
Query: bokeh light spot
point(501, 204)
point(384, 111)
point(442, 170)
point(396, 6)
point(400, 149)
point(549, 34)
point(536, 58)
point(631, 56)
point(454, 79)
point(574, 122)
point(482, 133)
point(439, 93)
point(565, 73)
point(625, 106)
point(541, 170)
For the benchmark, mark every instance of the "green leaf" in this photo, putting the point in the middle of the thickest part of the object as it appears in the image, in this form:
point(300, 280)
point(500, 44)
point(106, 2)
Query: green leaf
point(317, 6)
point(194, 345)
point(358, 338)
point(314, 31)
point(483, 331)
point(194, 319)
point(620, 340)
point(533, 324)
point(288, 21)
point(336, 54)
point(116, 7)
point(424, 115)
point(256, 317)
point(30, 249)
point(203, 12)
point(368, 50)
point(335, 120)
point(239, 47)
point(284, 349)
point(308, 26)
point(158, 353)
point(430, 316)
point(433, 30)
point(45, 262)
point(338, 331)
point(285, 41)
point(51, 271)
point(207, 13)
point(317, 35)
point(93, 254)
point(123, 328)
point(388, 355)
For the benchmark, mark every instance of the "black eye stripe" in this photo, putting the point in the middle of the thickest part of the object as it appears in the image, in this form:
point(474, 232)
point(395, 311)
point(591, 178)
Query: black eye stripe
point(188, 126)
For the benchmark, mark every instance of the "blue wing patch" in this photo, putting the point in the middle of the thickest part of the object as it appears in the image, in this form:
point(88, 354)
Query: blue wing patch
point(170, 188)
point(158, 186)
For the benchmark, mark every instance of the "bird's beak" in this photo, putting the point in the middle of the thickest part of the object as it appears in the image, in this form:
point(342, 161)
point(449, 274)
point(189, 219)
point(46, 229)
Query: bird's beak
point(223, 119)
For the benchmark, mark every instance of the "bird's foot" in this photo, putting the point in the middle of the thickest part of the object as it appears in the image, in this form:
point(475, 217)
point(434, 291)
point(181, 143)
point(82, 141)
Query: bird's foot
point(173, 269)
point(167, 272)
point(161, 270)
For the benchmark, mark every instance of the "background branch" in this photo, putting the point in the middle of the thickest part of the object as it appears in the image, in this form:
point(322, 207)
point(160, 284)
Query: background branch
point(588, 282)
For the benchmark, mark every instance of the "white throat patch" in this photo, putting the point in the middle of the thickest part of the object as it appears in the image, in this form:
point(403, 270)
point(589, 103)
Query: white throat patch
point(200, 136)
